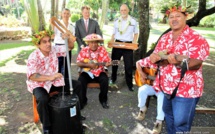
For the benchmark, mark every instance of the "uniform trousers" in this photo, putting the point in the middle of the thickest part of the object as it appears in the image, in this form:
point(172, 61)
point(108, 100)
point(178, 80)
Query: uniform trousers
point(128, 64)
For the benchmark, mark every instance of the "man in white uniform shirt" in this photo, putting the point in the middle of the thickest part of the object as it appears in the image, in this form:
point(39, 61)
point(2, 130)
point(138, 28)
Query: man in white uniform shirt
point(59, 41)
point(125, 30)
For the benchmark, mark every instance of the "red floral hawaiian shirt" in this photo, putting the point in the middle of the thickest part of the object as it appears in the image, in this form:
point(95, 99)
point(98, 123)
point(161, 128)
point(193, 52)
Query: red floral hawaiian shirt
point(98, 56)
point(189, 43)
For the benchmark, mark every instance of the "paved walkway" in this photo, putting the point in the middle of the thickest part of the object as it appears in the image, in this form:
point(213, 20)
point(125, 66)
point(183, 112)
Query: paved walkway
point(8, 53)
point(11, 66)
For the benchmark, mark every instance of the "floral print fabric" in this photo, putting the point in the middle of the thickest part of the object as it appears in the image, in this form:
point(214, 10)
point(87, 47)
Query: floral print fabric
point(188, 43)
point(99, 56)
point(38, 63)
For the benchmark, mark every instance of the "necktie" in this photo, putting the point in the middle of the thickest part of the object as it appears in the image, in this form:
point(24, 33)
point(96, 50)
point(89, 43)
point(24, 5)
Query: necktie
point(86, 26)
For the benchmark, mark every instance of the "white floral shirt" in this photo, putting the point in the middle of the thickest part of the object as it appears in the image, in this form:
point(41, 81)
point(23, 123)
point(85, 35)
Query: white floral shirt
point(38, 63)
point(189, 43)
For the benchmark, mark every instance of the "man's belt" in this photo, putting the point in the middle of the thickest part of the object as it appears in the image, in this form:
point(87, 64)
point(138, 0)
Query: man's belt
point(59, 44)
point(123, 45)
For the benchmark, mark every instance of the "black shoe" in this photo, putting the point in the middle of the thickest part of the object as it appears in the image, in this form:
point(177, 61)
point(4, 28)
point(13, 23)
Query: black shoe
point(131, 89)
point(105, 105)
point(83, 118)
point(46, 132)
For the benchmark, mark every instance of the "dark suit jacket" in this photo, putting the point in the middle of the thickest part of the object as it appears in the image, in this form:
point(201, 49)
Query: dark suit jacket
point(80, 31)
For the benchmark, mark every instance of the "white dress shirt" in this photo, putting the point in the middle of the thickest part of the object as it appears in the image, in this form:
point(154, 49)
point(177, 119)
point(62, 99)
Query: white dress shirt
point(128, 35)
point(58, 39)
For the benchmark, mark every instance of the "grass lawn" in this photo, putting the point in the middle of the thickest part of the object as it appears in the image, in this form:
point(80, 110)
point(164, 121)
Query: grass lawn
point(6, 45)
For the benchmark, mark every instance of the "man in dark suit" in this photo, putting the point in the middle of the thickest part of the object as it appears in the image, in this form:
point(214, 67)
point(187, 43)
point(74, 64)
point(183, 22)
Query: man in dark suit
point(85, 26)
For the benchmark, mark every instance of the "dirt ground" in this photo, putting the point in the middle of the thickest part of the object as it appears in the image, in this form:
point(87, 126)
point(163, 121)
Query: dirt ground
point(16, 114)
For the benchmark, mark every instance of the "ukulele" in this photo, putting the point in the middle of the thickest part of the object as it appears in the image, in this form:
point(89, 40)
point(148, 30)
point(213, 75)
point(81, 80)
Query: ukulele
point(113, 63)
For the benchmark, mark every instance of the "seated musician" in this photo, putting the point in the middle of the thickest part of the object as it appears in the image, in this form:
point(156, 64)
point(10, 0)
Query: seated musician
point(145, 91)
point(89, 59)
point(43, 77)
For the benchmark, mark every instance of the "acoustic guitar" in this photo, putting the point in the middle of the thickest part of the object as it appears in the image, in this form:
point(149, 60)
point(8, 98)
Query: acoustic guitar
point(150, 72)
point(113, 63)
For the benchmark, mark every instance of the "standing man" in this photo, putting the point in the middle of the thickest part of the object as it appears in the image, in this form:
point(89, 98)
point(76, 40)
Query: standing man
point(125, 30)
point(185, 49)
point(90, 59)
point(43, 77)
point(85, 26)
point(59, 41)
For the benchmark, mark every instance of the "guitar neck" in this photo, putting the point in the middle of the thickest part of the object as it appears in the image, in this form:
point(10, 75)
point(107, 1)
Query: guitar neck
point(163, 55)
point(113, 62)
point(100, 63)
point(151, 77)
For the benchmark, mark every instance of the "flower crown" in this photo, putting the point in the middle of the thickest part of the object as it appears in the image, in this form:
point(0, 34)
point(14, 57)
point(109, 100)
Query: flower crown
point(175, 8)
point(93, 37)
point(39, 35)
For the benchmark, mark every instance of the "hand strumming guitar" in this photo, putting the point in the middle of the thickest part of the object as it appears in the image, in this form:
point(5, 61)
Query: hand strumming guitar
point(143, 76)
point(92, 65)
point(107, 64)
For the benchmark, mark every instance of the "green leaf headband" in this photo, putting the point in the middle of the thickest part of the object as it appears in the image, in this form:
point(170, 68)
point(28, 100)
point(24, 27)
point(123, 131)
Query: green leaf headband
point(39, 35)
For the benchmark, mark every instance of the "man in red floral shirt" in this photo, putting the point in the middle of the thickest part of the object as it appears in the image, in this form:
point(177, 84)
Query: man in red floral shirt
point(43, 77)
point(89, 60)
point(183, 45)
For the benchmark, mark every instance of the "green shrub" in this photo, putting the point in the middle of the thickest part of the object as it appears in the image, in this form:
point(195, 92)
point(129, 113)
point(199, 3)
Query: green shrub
point(9, 21)
point(75, 17)
point(208, 21)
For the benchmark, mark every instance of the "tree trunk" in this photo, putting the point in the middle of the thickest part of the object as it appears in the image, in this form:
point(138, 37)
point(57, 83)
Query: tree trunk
point(143, 11)
point(104, 12)
point(184, 3)
point(132, 6)
point(56, 8)
point(52, 8)
point(63, 5)
point(41, 16)
point(17, 8)
point(201, 13)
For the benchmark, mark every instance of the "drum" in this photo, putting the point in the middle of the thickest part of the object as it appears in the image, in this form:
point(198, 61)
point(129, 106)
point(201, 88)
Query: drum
point(65, 114)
